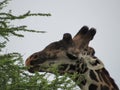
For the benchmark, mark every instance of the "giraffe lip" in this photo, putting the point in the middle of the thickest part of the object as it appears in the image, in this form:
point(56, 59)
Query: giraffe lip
point(38, 68)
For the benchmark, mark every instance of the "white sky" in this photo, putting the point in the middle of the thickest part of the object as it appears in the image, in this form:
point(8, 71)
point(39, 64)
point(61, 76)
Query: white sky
point(70, 16)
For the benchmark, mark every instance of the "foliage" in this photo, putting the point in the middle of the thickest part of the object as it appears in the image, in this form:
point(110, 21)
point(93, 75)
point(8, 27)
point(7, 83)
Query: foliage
point(13, 74)
point(6, 29)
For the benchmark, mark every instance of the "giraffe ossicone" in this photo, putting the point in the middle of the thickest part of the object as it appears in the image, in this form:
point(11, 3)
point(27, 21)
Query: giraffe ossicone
point(73, 55)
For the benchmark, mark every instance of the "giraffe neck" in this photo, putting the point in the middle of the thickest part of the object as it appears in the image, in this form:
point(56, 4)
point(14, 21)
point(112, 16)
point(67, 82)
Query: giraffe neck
point(94, 75)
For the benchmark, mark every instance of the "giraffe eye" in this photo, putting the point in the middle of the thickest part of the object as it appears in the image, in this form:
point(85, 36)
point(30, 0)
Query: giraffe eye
point(71, 56)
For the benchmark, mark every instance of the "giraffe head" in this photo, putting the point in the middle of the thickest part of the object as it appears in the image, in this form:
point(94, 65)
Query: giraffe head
point(63, 53)
point(47, 57)
point(74, 56)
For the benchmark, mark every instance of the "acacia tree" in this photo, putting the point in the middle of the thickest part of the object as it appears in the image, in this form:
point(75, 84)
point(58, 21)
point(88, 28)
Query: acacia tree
point(12, 69)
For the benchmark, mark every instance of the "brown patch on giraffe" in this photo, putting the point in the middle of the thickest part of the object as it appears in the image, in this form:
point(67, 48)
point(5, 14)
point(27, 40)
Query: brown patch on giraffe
point(104, 76)
point(83, 82)
point(93, 76)
point(103, 87)
point(93, 87)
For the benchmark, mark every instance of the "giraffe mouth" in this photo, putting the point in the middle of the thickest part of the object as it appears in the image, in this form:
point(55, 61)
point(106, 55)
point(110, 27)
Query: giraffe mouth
point(44, 67)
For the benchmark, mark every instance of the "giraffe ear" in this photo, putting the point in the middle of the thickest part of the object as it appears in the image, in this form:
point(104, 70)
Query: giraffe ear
point(67, 37)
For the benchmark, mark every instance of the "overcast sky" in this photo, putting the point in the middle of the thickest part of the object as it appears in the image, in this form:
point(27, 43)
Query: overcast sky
point(69, 16)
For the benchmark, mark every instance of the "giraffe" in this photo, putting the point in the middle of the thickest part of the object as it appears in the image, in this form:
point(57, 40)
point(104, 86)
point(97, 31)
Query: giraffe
point(74, 56)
